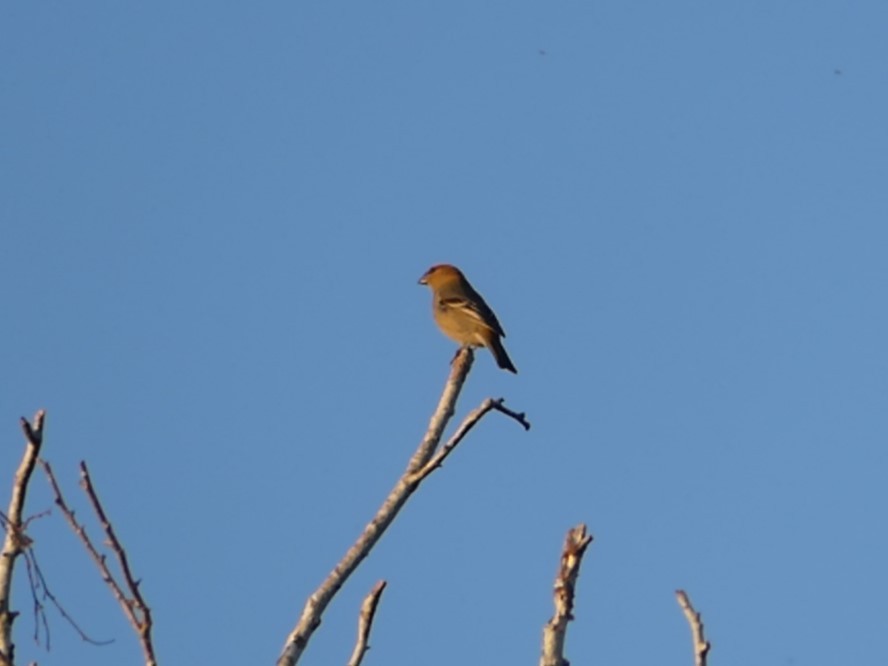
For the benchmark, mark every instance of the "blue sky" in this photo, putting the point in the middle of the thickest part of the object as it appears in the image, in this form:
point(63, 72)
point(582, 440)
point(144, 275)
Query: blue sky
point(213, 219)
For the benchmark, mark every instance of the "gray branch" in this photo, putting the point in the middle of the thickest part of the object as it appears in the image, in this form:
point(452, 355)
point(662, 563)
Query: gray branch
point(16, 540)
point(415, 473)
point(133, 604)
point(565, 586)
point(695, 621)
point(365, 623)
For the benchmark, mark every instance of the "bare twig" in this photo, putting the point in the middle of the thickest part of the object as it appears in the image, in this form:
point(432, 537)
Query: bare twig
point(40, 621)
point(134, 607)
point(39, 583)
point(521, 417)
point(565, 585)
point(80, 531)
point(140, 613)
point(695, 621)
point(365, 623)
point(39, 587)
point(467, 424)
point(16, 540)
point(416, 471)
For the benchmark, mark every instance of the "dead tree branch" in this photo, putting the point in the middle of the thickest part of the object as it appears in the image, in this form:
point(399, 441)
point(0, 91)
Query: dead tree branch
point(695, 621)
point(417, 471)
point(468, 423)
point(365, 623)
point(16, 540)
point(134, 607)
point(39, 586)
point(565, 586)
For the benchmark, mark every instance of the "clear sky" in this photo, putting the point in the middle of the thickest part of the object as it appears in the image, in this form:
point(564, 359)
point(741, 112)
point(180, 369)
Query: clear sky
point(212, 219)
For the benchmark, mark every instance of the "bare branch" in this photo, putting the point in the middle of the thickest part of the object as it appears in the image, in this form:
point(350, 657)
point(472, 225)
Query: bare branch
point(468, 423)
point(139, 609)
point(80, 531)
point(565, 585)
point(521, 417)
point(365, 623)
point(320, 598)
point(459, 370)
point(417, 470)
point(133, 606)
point(38, 582)
point(16, 540)
point(40, 620)
point(695, 621)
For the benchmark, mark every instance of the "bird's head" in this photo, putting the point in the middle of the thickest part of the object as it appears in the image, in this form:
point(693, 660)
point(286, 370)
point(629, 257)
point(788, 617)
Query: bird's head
point(440, 274)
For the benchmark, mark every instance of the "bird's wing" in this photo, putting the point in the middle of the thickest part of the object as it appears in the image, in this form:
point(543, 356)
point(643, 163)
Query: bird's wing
point(475, 308)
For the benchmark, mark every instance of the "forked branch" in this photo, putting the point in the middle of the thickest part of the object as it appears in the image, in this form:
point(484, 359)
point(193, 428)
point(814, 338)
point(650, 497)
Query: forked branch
point(16, 540)
point(128, 594)
point(421, 464)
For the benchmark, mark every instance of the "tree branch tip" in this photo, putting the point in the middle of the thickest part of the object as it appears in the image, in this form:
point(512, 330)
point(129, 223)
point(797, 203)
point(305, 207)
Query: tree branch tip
point(500, 406)
point(34, 431)
point(579, 537)
point(695, 620)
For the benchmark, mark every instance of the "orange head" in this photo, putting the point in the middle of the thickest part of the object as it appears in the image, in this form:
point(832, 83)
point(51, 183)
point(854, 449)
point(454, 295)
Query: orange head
point(441, 274)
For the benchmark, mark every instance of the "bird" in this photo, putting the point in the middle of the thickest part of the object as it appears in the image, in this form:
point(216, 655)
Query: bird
point(462, 314)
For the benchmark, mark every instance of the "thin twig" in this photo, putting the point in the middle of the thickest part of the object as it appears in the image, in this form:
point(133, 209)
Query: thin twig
point(695, 621)
point(416, 471)
point(80, 531)
point(16, 540)
point(521, 417)
point(365, 623)
point(467, 424)
point(134, 607)
point(136, 602)
point(565, 587)
point(31, 557)
point(39, 587)
point(40, 620)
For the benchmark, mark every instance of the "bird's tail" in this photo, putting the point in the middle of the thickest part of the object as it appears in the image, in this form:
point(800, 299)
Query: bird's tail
point(499, 353)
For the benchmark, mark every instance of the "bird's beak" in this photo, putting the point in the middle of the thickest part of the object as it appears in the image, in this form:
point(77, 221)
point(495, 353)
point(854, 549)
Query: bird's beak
point(424, 279)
